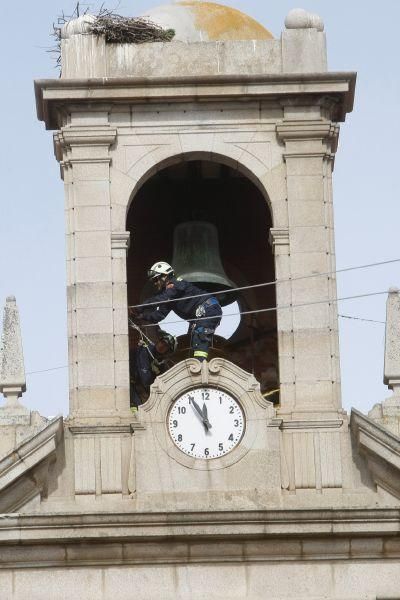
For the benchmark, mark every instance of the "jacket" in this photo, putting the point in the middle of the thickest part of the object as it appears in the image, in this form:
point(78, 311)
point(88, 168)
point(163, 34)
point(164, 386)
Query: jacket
point(185, 308)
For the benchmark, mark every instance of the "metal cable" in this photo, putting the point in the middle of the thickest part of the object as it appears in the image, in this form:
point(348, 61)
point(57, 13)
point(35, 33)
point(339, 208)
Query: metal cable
point(268, 283)
point(273, 308)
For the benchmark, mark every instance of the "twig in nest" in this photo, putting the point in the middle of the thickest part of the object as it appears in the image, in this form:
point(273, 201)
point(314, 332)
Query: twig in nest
point(128, 30)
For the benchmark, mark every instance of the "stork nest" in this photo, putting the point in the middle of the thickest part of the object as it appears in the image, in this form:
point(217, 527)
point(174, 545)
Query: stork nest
point(115, 28)
point(129, 30)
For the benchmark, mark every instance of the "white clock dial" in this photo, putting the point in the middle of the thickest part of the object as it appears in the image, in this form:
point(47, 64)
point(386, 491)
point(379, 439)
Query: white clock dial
point(206, 423)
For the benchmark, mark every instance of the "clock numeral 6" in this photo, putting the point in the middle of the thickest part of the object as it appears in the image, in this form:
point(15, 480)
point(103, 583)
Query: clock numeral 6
point(206, 451)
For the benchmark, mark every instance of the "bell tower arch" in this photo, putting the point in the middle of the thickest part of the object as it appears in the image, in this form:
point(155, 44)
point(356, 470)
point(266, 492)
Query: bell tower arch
point(204, 209)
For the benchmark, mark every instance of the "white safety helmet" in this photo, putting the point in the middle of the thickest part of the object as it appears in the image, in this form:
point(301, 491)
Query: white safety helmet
point(159, 269)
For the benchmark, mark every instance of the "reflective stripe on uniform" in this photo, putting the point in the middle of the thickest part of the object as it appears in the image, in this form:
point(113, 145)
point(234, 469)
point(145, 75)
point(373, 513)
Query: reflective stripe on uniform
point(200, 353)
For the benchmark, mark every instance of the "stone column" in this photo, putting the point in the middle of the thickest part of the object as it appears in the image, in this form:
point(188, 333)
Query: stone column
point(97, 308)
point(308, 341)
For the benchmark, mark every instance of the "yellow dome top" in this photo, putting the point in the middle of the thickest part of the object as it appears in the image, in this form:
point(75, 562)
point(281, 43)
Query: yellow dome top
point(194, 21)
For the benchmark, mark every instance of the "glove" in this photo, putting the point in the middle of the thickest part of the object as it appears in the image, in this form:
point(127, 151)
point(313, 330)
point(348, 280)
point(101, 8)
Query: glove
point(135, 314)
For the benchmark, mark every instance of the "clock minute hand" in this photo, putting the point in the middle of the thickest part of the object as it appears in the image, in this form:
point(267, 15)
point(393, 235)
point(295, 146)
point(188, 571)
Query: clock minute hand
point(205, 417)
point(197, 408)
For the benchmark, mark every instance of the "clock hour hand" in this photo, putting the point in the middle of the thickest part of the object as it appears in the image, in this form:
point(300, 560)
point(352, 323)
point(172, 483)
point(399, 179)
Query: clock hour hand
point(205, 417)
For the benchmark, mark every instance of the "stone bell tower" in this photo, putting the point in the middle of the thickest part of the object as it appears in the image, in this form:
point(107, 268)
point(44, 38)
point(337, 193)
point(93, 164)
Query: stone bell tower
point(239, 477)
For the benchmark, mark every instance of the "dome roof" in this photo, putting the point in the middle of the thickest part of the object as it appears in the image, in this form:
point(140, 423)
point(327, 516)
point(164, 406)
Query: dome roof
point(196, 21)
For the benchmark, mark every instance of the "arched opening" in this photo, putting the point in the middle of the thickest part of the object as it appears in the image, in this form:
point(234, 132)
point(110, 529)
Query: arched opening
point(212, 192)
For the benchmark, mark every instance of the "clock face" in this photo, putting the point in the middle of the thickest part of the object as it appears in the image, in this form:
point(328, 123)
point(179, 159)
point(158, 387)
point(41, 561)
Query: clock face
point(206, 423)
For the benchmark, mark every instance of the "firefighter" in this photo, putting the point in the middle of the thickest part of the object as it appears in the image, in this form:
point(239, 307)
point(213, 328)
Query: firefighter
point(147, 361)
point(203, 312)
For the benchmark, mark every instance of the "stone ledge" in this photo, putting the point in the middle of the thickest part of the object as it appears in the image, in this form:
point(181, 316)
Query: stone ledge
point(197, 551)
point(51, 92)
point(68, 527)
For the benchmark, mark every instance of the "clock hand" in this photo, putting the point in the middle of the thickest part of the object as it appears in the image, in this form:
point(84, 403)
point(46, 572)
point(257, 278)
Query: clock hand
point(197, 408)
point(205, 417)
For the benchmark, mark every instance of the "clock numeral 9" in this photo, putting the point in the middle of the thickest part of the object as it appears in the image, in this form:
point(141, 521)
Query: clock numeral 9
point(206, 451)
point(175, 423)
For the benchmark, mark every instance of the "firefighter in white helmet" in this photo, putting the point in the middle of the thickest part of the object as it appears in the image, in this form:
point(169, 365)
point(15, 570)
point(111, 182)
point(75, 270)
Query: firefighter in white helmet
point(203, 311)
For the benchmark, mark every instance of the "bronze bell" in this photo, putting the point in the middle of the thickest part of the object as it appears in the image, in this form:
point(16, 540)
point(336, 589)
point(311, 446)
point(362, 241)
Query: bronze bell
point(196, 258)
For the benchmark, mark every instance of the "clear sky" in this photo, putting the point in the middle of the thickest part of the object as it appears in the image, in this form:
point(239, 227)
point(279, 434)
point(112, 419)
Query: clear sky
point(362, 36)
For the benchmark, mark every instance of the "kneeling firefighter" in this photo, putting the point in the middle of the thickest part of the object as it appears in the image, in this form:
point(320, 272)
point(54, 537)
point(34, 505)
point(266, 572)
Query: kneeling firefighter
point(203, 311)
point(147, 361)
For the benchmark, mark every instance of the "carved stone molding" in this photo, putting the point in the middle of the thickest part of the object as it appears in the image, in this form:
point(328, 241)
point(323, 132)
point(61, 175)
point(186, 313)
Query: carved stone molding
point(305, 130)
point(72, 137)
point(120, 240)
point(278, 237)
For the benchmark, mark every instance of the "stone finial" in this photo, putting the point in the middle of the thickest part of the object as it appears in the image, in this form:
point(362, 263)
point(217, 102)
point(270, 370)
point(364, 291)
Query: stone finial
point(298, 18)
point(387, 413)
point(12, 369)
point(391, 375)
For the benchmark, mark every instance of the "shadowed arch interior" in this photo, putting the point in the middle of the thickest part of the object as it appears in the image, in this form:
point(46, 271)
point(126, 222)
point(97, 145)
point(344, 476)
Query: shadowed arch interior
point(202, 190)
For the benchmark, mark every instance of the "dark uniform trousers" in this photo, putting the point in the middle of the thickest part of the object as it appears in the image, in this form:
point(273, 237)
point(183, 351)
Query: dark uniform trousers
point(203, 330)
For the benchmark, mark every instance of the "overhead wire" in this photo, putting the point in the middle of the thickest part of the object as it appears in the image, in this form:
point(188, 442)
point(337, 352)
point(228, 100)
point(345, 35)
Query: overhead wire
point(132, 324)
point(267, 283)
point(270, 309)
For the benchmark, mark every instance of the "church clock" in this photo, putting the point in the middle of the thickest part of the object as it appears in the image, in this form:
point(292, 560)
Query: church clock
point(206, 423)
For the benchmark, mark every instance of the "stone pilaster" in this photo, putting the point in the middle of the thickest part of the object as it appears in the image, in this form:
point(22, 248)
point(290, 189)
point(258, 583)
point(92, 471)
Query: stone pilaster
point(96, 311)
point(309, 343)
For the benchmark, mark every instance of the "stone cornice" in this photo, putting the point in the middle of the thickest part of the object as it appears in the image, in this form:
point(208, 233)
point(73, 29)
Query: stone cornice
point(51, 94)
point(165, 538)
